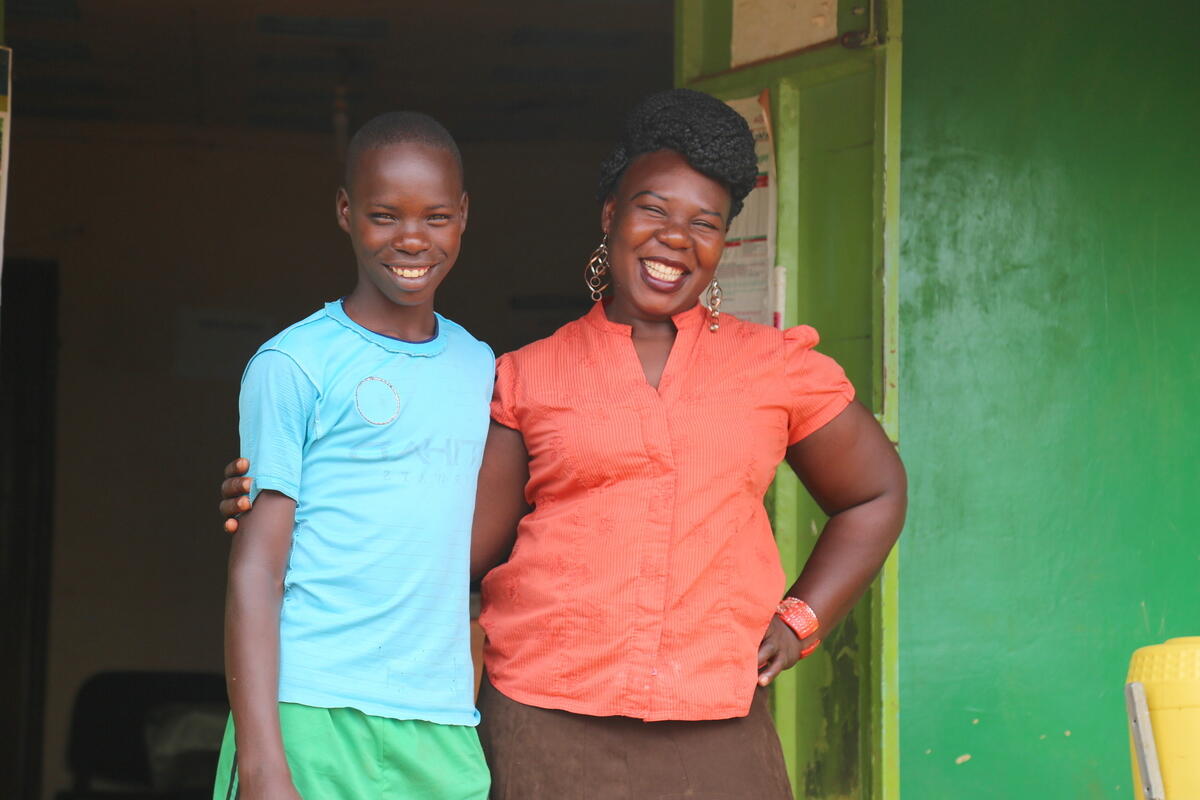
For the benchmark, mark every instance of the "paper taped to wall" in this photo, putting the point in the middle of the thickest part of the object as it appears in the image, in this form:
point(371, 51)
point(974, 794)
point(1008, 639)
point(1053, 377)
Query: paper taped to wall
point(746, 274)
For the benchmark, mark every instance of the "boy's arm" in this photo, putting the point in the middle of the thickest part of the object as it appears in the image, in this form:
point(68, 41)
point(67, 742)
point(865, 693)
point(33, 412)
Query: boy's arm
point(277, 406)
point(257, 563)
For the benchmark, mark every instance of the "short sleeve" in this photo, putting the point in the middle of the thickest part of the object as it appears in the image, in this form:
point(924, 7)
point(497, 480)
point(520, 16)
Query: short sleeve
point(504, 399)
point(276, 408)
point(817, 385)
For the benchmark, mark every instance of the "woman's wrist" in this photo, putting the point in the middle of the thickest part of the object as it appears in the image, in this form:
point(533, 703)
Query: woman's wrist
point(800, 617)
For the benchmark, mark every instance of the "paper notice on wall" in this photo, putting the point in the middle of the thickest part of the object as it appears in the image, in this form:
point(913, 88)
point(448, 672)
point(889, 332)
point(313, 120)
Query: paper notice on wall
point(746, 273)
point(768, 28)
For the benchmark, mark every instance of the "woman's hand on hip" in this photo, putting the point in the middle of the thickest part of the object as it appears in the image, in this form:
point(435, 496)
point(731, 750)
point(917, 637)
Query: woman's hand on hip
point(780, 649)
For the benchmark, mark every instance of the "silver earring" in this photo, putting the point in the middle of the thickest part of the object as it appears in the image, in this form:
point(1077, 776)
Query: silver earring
point(713, 301)
point(596, 270)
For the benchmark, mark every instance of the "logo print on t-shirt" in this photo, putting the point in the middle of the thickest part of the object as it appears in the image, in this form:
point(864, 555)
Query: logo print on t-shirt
point(377, 401)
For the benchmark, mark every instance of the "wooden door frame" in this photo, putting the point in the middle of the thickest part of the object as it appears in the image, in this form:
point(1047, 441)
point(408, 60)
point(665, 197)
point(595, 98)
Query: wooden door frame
point(28, 361)
point(703, 31)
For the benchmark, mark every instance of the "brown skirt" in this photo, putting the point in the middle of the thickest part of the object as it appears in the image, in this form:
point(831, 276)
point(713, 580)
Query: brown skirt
point(537, 753)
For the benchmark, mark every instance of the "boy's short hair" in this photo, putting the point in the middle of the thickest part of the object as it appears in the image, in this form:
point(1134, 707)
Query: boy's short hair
point(398, 127)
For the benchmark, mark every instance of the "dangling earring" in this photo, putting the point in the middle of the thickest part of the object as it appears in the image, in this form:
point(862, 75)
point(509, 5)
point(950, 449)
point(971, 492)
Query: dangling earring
point(596, 269)
point(713, 301)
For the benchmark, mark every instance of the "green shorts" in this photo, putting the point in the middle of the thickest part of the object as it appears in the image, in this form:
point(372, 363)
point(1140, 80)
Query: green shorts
point(344, 754)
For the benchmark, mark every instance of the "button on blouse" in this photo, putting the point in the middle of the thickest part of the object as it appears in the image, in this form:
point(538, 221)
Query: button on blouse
point(643, 579)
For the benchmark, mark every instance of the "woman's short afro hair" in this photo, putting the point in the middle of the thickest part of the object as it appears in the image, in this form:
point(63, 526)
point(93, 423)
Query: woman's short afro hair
point(710, 135)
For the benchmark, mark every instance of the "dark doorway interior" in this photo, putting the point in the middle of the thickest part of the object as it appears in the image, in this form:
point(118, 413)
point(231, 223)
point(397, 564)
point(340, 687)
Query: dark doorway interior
point(204, 137)
point(28, 358)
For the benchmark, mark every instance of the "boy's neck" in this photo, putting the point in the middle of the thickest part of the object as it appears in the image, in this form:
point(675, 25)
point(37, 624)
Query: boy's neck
point(378, 315)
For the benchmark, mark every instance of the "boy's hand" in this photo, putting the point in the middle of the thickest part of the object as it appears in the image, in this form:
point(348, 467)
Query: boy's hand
point(234, 493)
point(262, 787)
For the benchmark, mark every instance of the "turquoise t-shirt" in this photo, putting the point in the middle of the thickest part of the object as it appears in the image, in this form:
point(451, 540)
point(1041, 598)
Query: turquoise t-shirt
point(379, 442)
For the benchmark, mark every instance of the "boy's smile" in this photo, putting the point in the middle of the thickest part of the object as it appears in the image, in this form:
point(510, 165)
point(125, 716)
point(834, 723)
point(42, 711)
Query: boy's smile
point(405, 211)
point(401, 271)
point(410, 277)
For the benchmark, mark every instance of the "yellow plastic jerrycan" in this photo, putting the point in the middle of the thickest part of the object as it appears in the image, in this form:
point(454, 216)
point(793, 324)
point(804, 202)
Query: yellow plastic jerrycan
point(1171, 674)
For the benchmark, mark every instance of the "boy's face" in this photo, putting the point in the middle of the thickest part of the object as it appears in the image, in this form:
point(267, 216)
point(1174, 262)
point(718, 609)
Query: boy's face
point(405, 211)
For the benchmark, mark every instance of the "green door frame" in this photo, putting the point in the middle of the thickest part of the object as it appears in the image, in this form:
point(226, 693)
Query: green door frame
point(703, 33)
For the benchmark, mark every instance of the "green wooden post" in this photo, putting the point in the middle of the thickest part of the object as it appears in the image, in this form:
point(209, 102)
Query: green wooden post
point(885, 628)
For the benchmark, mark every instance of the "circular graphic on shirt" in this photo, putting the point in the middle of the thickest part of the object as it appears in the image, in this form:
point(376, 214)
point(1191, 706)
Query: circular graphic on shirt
point(377, 401)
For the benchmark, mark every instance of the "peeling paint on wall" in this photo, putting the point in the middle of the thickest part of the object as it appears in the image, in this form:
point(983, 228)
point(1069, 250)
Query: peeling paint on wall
point(834, 770)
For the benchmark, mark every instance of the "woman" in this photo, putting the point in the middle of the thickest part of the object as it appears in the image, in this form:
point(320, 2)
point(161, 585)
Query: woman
point(638, 617)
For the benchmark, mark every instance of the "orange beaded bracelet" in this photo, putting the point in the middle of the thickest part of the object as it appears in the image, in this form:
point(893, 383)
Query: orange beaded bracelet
point(798, 616)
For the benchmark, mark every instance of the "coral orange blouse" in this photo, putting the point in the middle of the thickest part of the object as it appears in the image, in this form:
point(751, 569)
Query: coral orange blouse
point(642, 581)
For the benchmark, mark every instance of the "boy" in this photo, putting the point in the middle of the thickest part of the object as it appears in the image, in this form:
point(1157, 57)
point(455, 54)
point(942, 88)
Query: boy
point(347, 647)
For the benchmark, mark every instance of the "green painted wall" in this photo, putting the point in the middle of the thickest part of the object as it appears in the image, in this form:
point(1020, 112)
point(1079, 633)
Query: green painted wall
point(1050, 384)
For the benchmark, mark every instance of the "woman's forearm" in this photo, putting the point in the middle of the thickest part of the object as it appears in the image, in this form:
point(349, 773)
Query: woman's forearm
point(853, 472)
point(848, 555)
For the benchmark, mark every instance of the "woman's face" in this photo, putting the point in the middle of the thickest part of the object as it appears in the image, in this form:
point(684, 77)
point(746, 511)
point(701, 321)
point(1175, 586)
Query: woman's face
point(666, 227)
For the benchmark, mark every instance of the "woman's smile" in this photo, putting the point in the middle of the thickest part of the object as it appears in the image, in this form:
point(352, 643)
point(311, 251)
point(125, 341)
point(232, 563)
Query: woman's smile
point(663, 274)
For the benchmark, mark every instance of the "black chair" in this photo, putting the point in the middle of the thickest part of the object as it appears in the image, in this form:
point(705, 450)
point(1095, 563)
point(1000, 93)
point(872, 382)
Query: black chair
point(146, 736)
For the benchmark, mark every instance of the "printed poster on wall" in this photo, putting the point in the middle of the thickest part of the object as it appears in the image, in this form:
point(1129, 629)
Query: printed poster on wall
point(747, 273)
